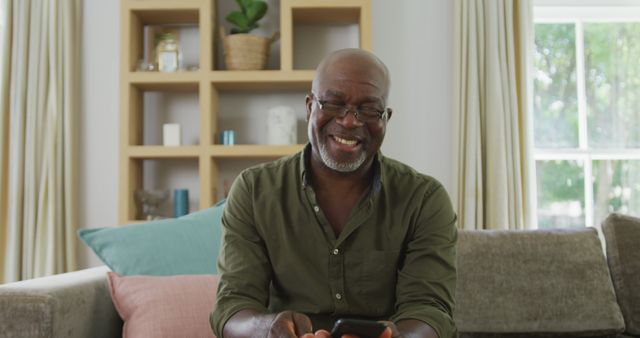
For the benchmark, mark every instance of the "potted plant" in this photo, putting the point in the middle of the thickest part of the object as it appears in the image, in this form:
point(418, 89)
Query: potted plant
point(244, 51)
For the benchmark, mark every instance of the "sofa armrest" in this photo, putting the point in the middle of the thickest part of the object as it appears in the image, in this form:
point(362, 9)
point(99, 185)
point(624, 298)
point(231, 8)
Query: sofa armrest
point(75, 304)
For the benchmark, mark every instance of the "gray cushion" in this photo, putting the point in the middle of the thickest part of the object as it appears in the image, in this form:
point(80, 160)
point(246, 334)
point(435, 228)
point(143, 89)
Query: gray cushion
point(622, 236)
point(539, 335)
point(544, 282)
point(72, 305)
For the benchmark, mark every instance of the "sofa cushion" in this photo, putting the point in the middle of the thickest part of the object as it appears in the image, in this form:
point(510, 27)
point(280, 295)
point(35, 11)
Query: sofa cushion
point(164, 306)
point(622, 236)
point(543, 282)
point(185, 245)
point(63, 305)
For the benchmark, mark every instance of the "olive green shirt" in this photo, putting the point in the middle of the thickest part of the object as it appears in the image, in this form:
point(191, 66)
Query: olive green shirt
point(394, 260)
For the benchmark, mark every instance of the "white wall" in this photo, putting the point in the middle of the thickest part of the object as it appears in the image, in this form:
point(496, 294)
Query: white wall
point(98, 134)
point(413, 37)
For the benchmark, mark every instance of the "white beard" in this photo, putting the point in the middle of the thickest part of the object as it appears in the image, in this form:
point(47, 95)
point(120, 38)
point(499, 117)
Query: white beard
point(338, 166)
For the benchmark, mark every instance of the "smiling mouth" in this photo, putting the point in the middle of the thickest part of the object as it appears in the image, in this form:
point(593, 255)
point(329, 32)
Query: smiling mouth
point(347, 142)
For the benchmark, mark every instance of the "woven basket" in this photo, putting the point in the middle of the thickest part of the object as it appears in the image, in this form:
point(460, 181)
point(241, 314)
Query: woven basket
point(246, 51)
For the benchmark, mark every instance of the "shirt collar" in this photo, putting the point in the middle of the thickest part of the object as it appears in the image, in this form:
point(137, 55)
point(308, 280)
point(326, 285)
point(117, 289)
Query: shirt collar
point(304, 164)
point(306, 180)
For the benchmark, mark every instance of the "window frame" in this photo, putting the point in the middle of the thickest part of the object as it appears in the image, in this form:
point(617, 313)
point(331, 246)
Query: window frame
point(577, 15)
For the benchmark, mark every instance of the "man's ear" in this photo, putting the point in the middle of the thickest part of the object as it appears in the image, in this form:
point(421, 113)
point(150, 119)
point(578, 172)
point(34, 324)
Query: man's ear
point(309, 105)
point(389, 113)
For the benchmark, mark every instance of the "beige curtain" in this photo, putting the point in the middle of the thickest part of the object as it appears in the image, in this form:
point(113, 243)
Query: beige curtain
point(493, 40)
point(39, 103)
point(4, 121)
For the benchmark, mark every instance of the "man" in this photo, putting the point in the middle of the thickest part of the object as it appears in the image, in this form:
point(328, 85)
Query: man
point(338, 230)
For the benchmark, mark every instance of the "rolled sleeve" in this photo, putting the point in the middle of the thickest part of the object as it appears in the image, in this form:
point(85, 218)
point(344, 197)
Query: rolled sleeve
point(243, 263)
point(426, 280)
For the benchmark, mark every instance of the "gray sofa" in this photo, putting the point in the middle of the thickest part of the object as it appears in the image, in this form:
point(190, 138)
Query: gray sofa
point(544, 283)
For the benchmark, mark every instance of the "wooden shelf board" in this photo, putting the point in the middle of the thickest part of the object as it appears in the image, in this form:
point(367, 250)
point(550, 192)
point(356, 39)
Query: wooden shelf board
point(328, 4)
point(163, 12)
point(314, 15)
point(262, 79)
point(234, 151)
point(178, 81)
point(327, 11)
point(254, 151)
point(167, 17)
point(160, 152)
point(222, 79)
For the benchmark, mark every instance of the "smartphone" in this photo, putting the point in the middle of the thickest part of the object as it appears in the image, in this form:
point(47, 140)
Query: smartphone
point(358, 327)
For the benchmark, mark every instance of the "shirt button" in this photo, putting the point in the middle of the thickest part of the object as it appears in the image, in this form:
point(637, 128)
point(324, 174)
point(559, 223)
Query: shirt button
point(336, 251)
point(316, 208)
point(338, 296)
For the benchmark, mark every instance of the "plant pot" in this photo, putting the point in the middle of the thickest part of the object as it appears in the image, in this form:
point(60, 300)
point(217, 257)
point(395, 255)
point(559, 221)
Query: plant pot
point(246, 51)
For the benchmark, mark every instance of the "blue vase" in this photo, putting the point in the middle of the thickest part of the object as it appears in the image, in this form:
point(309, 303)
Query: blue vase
point(180, 202)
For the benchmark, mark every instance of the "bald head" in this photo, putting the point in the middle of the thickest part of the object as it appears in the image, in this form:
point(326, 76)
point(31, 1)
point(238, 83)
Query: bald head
point(345, 62)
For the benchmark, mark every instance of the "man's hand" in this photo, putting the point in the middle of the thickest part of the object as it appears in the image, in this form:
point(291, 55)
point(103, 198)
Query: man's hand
point(388, 333)
point(405, 329)
point(289, 324)
point(410, 328)
point(250, 324)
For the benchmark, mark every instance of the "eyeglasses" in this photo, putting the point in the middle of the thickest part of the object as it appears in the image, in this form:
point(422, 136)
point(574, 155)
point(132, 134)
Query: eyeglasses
point(365, 114)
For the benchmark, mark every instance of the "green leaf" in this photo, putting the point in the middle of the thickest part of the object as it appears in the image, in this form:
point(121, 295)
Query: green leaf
point(238, 19)
point(244, 4)
point(256, 11)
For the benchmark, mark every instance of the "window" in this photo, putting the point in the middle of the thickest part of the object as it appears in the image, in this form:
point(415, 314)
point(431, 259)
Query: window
point(586, 106)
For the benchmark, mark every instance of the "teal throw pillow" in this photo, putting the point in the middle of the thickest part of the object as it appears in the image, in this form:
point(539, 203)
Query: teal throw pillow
point(177, 246)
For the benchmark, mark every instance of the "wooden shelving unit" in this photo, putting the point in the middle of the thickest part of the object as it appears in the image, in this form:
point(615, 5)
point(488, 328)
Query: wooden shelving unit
point(207, 83)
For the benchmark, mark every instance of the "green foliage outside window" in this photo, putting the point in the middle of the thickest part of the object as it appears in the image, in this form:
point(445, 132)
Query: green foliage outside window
point(612, 61)
point(555, 100)
point(612, 88)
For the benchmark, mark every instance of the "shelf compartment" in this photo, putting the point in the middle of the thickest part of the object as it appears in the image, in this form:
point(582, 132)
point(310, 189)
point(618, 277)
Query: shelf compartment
point(268, 25)
point(159, 152)
point(247, 112)
point(150, 104)
point(304, 23)
point(254, 151)
point(140, 17)
point(166, 174)
point(328, 11)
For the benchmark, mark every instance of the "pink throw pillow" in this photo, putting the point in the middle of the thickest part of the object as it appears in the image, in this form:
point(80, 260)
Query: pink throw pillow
point(164, 306)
